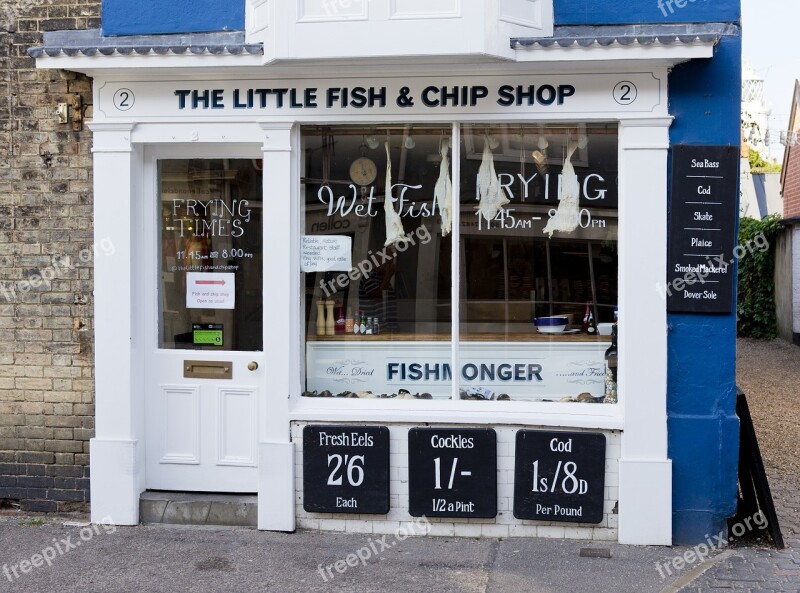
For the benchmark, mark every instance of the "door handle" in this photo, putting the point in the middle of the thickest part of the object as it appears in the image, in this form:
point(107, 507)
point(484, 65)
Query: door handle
point(252, 366)
point(207, 369)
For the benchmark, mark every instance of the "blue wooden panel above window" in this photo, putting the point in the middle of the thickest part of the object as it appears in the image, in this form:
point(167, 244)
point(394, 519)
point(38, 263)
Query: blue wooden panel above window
point(623, 12)
point(123, 17)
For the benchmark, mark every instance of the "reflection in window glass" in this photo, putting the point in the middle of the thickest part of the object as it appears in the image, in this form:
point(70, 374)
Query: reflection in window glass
point(210, 255)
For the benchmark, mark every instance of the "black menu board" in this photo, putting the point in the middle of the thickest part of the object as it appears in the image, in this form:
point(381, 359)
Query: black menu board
point(452, 472)
point(346, 469)
point(700, 269)
point(560, 476)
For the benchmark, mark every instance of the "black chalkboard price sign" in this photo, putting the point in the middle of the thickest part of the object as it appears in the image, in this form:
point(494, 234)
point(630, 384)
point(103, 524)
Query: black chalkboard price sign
point(452, 472)
point(346, 469)
point(702, 231)
point(560, 476)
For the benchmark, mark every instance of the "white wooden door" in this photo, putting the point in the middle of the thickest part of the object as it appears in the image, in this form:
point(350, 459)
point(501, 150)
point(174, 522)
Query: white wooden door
point(205, 363)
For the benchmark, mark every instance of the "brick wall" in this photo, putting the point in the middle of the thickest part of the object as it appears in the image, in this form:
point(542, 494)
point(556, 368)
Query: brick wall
point(46, 356)
point(791, 187)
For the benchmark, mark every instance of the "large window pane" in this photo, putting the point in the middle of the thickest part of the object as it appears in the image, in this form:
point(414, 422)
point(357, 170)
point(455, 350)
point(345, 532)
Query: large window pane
point(375, 256)
point(538, 241)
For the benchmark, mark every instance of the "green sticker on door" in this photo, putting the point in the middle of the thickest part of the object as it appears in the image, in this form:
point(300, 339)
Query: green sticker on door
point(207, 334)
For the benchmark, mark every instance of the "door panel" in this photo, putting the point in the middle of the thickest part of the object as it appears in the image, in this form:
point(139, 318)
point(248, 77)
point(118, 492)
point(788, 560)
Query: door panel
point(206, 367)
point(180, 426)
point(237, 438)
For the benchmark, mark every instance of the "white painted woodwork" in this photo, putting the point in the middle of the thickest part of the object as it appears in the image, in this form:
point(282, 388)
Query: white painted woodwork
point(201, 433)
point(359, 29)
point(132, 373)
point(645, 505)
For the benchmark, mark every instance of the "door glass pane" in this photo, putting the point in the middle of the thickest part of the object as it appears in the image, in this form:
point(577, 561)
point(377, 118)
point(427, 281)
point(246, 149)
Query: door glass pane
point(210, 259)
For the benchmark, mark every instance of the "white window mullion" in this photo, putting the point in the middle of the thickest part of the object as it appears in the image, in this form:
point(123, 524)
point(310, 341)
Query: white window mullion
point(455, 275)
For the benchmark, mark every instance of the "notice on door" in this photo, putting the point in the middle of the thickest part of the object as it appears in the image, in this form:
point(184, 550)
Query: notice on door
point(210, 290)
point(321, 253)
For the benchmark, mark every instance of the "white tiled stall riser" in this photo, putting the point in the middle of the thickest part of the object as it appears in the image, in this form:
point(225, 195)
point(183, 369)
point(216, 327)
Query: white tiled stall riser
point(504, 525)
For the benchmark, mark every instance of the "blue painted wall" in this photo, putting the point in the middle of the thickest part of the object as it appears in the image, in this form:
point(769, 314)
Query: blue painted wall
point(124, 17)
point(617, 12)
point(703, 426)
point(127, 17)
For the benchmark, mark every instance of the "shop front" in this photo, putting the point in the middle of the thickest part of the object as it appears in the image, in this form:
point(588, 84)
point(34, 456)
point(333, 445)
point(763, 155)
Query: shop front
point(372, 292)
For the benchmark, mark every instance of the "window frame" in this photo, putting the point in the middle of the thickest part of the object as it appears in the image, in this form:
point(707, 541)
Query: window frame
point(454, 409)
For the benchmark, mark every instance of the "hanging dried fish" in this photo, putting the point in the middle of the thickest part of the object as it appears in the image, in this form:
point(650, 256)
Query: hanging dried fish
point(395, 233)
point(443, 192)
point(491, 196)
point(567, 216)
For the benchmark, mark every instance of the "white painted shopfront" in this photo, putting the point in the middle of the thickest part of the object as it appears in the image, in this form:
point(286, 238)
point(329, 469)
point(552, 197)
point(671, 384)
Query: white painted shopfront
point(231, 419)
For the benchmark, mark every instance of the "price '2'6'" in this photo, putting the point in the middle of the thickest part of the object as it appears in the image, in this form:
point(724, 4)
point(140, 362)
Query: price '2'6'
point(355, 469)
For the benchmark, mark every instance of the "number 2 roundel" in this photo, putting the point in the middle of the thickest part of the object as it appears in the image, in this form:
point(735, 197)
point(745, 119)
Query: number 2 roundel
point(124, 99)
point(625, 92)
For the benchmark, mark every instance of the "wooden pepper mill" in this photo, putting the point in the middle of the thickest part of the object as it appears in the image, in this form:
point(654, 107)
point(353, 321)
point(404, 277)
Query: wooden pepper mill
point(330, 321)
point(320, 317)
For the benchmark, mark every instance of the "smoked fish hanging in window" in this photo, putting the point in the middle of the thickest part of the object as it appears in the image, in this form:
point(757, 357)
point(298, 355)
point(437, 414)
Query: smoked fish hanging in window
point(395, 232)
point(443, 192)
point(567, 216)
point(491, 196)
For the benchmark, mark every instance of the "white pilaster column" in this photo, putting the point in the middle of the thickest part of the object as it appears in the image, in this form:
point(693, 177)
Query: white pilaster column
point(276, 481)
point(645, 472)
point(116, 452)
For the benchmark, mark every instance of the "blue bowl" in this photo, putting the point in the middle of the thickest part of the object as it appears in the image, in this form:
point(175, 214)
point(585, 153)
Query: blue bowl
point(551, 321)
point(551, 325)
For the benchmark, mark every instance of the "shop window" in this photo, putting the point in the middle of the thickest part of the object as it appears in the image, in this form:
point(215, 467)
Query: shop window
point(533, 210)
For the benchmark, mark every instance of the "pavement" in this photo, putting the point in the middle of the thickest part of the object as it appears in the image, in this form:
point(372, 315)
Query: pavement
point(162, 558)
point(61, 554)
point(761, 569)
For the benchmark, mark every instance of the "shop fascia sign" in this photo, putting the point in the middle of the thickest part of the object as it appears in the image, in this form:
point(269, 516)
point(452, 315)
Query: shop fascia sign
point(636, 93)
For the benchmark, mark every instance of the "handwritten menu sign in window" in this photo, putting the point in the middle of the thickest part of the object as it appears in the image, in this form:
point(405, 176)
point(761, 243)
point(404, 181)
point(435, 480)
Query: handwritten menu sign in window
point(321, 253)
point(702, 249)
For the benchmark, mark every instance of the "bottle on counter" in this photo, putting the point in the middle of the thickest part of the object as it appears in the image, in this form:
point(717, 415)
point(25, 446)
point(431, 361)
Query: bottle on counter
point(348, 321)
point(340, 320)
point(591, 327)
point(357, 323)
point(376, 327)
point(585, 324)
point(611, 369)
point(369, 326)
point(363, 322)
